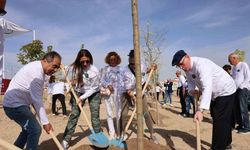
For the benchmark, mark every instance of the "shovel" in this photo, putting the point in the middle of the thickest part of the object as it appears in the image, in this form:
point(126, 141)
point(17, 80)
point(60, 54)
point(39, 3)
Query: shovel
point(197, 124)
point(8, 145)
point(119, 143)
point(97, 139)
point(55, 140)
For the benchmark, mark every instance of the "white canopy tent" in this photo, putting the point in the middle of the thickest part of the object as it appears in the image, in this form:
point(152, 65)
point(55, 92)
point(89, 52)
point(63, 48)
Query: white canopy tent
point(7, 29)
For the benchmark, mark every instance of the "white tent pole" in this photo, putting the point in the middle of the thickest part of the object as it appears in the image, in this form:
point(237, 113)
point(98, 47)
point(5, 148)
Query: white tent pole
point(34, 35)
point(3, 68)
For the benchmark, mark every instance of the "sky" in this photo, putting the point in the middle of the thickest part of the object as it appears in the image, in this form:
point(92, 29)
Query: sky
point(204, 28)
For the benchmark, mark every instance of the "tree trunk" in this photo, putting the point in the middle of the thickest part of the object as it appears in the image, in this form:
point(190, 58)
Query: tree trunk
point(137, 74)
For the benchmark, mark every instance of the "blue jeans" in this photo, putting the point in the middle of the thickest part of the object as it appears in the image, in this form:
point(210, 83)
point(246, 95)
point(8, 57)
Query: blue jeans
point(244, 96)
point(31, 129)
point(168, 97)
point(189, 101)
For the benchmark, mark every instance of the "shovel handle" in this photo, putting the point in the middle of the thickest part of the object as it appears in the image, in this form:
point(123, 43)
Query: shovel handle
point(198, 137)
point(8, 145)
point(197, 124)
point(76, 97)
point(55, 140)
point(143, 91)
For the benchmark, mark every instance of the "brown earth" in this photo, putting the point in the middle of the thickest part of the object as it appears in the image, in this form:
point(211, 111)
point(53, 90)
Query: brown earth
point(172, 130)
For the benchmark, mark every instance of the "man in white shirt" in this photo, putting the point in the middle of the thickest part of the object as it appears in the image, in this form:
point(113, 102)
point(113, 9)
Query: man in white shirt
point(215, 84)
point(241, 76)
point(129, 80)
point(25, 90)
point(181, 84)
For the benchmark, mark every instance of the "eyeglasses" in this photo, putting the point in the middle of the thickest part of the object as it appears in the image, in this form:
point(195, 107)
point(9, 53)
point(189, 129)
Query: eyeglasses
point(85, 61)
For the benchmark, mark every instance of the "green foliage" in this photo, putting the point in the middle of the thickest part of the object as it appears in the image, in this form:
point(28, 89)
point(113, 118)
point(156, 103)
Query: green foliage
point(240, 53)
point(31, 52)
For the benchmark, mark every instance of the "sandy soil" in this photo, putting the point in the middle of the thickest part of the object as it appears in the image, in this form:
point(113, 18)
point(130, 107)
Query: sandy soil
point(172, 130)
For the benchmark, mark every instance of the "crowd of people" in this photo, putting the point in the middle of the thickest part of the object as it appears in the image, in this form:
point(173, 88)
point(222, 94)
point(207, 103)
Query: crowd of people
point(225, 94)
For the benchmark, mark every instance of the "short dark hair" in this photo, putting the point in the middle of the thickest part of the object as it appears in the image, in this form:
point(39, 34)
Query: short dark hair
point(227, 67)
point(49, 57)
point(131, 53)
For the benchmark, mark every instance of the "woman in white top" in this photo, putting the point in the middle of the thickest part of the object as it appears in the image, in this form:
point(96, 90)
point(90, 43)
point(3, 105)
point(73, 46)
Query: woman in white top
point(111, 86)
point(86, 77)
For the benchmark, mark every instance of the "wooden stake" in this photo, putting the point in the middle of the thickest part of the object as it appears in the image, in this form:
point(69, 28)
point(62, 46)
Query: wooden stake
point(136, 41)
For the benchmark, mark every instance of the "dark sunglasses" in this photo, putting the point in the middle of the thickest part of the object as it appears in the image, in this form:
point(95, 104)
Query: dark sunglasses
point(85, 61)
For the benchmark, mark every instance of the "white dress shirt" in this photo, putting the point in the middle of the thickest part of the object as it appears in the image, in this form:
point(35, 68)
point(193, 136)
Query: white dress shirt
point(26, 88)
point(129, 80)
point(241, 75)
point(211, 80)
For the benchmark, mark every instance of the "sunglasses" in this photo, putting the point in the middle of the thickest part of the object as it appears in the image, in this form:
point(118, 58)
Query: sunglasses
point(85, 61)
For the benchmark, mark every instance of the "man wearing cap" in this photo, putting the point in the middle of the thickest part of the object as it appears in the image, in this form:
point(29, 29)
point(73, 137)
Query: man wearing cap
point(215, 84)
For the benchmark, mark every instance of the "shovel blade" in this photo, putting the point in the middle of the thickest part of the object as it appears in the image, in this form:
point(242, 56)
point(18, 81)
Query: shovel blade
point(99, 140)
point(118, 143)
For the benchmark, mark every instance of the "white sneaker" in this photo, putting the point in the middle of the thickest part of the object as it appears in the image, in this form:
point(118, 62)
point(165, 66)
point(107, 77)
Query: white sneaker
point(65, 145)
point(125, 137)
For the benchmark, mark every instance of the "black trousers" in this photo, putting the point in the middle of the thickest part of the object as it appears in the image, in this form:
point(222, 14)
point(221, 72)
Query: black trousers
point(222, 122)
point(182, 101)
point(61, 98)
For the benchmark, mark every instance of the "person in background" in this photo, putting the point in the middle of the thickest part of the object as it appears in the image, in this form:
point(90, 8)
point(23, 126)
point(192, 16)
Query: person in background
point(189, 100)
point(86, 79)
point(162, 91)
point(182, 85)
point(26, 90)
point(241, 76)
point(214, 84)
point(58, 89)
point(168, 92)
point(111, 86)
point(158, 91)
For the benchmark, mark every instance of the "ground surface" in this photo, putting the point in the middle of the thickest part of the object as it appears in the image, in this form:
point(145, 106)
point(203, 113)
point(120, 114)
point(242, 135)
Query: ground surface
point(172, 130)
